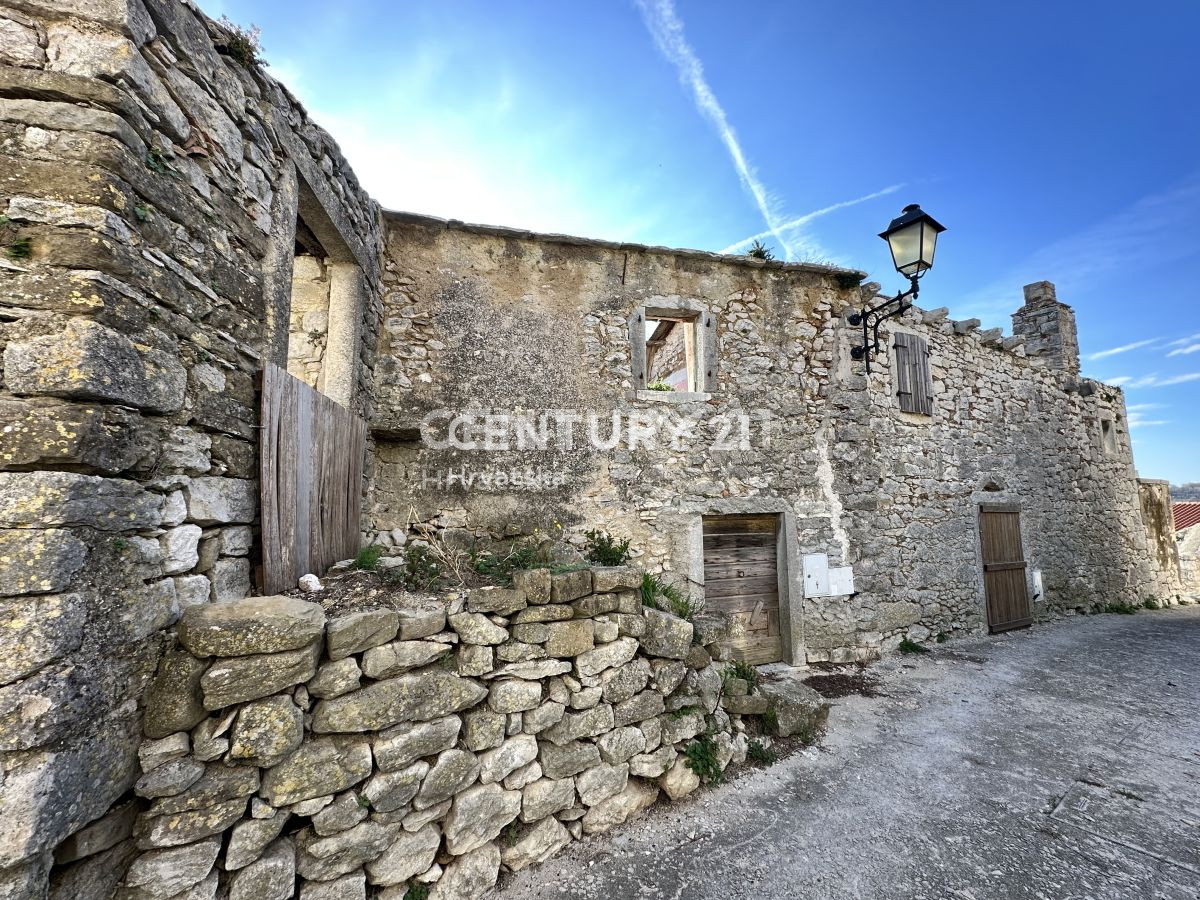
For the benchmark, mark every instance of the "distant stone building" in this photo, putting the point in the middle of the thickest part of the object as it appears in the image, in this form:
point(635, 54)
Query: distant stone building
point(1186, 517)
point(173, 221)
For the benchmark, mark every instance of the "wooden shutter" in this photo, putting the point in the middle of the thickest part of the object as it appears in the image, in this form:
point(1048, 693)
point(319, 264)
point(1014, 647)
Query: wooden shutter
point(637, 347)
point(706, 341)
point(914, 384)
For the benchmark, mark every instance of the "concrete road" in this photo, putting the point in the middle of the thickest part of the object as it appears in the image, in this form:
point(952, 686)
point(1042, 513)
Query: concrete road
point(1058, 762)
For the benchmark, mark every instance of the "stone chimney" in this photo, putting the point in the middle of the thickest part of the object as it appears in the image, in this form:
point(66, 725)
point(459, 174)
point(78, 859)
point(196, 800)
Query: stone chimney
point(1048, 328)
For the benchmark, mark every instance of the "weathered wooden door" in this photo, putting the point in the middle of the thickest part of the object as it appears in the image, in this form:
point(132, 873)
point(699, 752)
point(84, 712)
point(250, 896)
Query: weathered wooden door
point(1004, 579)
point(741, 577)
point(310, 480)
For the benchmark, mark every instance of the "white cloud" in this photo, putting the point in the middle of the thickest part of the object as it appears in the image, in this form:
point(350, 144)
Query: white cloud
point(1152, 380)
point(1190, 348)
point(1124, 348)
point(1142, 236)
point(666, 28)
point(801, 221)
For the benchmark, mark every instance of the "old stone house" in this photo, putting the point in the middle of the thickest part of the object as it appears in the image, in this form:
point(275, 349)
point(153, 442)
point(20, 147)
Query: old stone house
point(173, 220)
point(1186, 515)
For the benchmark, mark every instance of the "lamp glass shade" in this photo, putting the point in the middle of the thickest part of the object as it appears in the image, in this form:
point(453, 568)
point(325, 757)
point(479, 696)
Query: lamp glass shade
point(912, 238)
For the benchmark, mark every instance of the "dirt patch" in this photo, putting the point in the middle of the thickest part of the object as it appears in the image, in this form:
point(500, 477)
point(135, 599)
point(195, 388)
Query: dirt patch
point(834, 682)
point(358, 590)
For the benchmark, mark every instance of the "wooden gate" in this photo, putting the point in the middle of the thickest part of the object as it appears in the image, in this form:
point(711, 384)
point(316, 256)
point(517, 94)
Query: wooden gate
point(1004, 581)
point(310, 474)
point(741, 577)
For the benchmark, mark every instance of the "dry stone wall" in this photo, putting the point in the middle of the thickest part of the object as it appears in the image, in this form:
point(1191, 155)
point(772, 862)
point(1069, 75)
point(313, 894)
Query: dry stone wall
point(287, 755)
point(150, 184)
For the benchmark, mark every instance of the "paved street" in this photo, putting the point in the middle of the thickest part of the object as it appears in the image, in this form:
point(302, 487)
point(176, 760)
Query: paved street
point(1059, 762)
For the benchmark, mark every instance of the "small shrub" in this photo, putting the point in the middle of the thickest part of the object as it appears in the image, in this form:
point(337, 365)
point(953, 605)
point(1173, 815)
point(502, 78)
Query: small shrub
point(743, 670)
point(659, 386)
point(21, 248)
point(604, 549)
point(364, 801)
point(417, 891)
point(759, 250)
point(500, 568)
point(759, 752)
point(244, 44)
point(368, 557)
point(157, 163)
point(512, 831)
point(120, 544)
point(421, 568)
point(1121, 609)
point(657, 594)
point(142, 212)
point(1150, 604)
point(807, 733)
point(942, 637)
point(701, 757)
point(907, 646)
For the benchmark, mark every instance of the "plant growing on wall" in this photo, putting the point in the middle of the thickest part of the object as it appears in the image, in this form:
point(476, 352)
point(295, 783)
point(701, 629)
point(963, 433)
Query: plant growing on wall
point(606, 550)
point(759, 250)
point(701, 758)
point(658, 594)
point(500, 567)
point(659, 386)
point(243, 44)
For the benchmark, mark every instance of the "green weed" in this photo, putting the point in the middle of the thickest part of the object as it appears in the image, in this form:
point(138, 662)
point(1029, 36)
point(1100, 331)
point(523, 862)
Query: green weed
point(606, 550)
point(368, 558)
point(907, 646)
point(701, 757)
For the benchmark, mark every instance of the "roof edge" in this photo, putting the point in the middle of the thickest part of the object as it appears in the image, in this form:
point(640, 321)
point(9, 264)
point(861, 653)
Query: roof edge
point(573, 240)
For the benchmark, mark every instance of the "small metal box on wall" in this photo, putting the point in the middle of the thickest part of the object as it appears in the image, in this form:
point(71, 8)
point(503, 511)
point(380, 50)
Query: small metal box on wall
point(822, 581)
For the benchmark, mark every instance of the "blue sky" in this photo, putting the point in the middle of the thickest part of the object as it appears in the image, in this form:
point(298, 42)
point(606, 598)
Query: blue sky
point(1055, 143)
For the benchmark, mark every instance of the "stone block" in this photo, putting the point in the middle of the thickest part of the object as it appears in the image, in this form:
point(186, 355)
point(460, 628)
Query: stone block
point(356, 632)
point(38, 561)
point(55, 499)
point(213, 500)
point(175, 700)
point(333, 679)
point(568, 586)
point(109, 830)
point(496, 600)
point(421, 622)
point(321, 766)
point(230, 579)
point(409, 855)
point(534, 584)
point(469, 876)
point(152, 754)
point(498, 763)
point(483, 729)
point(616, 810)
point(177, 829)
point(251, 626)
point(638, 708)
point(569, 639)
point(179, 548)
point(539, 844)
point(400, 656)
point(545, 797)
point(250, 837)
point(418, 697)
point(273, 877)
point(169, 779)
point(242, 678)
point(511, 695)
point(620, 744)
point(38, 630)
point(614, 579)
point(679, 780)
point(475, 628)
point(563, 761)
point(798, 708)
point(651, 765)
point(475, 660)
point(601, 782)
point(478, 815)
point(266, 731)
point(192, 590)
point(390, 791)
point(348, 887)
point(327, 858)
point(666, 635)
point(607, 656)
point(453, 771)
point(595, 605)
point(550, 612)
point(396, 748)
point(162, 874)
point(88, 361)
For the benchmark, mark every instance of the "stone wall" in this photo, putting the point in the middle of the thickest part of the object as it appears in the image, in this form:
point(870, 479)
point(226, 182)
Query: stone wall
point(308, 327)
point(489, 320)
point(151, 185)
point(438, 741)
point(1188, 548)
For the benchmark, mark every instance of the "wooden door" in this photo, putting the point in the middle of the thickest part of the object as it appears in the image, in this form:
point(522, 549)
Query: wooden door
point(1004, 565)
point(311, 454)
point(741, 577)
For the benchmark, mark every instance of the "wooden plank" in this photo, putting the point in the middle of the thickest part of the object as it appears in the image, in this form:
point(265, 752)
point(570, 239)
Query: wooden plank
point(716, 525)
point(738, 587)
point(735, 569)
point(311, 469)
point(904, 388)
point(922, 381)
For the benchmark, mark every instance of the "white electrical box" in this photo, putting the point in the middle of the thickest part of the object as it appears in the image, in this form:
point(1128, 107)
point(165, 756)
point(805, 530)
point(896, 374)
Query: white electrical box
point(816, 575)
point(1038, 594)
point(841, 581)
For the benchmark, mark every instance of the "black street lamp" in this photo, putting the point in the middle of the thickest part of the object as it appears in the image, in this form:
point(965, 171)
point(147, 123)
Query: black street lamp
point(912, 238)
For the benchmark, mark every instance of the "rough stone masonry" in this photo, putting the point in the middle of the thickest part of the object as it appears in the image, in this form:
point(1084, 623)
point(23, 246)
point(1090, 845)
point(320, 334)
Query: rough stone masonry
point(162, 200)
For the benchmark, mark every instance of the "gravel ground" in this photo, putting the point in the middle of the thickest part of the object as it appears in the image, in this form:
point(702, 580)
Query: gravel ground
point(1058, 762)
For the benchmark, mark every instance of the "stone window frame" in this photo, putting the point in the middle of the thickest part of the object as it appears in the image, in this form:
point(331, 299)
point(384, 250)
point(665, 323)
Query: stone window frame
point(297, 200)
point(704, 341)
point(1107, 435)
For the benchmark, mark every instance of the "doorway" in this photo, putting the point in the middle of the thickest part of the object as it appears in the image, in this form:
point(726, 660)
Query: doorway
point(741, 578)
point(1004, 580)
